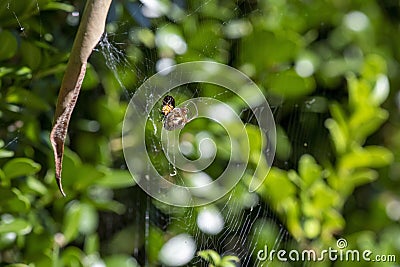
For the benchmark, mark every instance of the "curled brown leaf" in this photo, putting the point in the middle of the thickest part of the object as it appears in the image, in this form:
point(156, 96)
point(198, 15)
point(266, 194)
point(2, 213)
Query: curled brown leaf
point(89, 33)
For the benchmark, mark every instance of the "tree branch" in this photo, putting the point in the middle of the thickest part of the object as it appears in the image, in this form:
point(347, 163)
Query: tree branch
point(89, 33)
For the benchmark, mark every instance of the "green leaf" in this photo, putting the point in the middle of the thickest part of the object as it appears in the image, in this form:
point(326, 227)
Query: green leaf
point(6, 154)
point(366, 121)
point(338, 136)
point(92, 244)
point(120, 261)
point(338, 128)
point(24, 204)
point(294, 178)
point(21, 96)
point(207, 34)
point(359, 92)
point(31, 54)
point(123, 243)
point(18, 226)
point(290, 85)
point(3, 180)
point(280, 47)
point(237, 28)
point(373, 66)
point(256, 145)
point(371, 156)
point(312, 228)
point(334, 222)
point(156, 237)
point(72, 219)
point(72, 256)
point(309, 170)
point(20, 167)
point(278, 179)
point(229, 261)
point(113, 206)
point(323, 197)
point(227, 264)
point(3, 152)
point(146, 36)
point(13, 201)
point(8, 46)
point(283, 145)
point(59, 6)
point(231, 258)
point(363, 176)
point(7, 240)
point(36, 186)
point(88, 219)
point(116, 179)
point(210, 256)
point(291, 207)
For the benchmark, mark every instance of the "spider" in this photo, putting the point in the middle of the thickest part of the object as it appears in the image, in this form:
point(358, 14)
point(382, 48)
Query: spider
point(174, 118)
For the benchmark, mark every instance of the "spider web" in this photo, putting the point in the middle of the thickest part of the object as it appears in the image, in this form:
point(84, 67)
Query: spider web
point(246, 221)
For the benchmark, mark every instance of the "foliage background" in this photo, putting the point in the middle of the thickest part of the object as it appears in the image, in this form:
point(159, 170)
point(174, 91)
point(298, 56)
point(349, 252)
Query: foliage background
point(337, 168)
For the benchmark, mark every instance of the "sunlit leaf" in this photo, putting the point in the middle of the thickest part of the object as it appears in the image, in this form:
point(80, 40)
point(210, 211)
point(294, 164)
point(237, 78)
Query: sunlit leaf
point(381, 90)
point(72, 219)
point(323, 197)
point(59, 6)
point(237, 28)
point(366, 121)
point(156, 237)
point(338, 136)
point(18, 226)
point(6, 153)
point(291, 207)
point(20, 167)
point(36, 185)
point(309, 170)
point(72, 256)
point(334, 221)
point(17, 95)
point(371, 156)
point(7, 240)
point(312, 228)
point(147, 37)
point(88, 220)
point(3, 179)
point(278, 179)
point(363, 176)
point(373, 66)
point(256, 145)
point(211, 256)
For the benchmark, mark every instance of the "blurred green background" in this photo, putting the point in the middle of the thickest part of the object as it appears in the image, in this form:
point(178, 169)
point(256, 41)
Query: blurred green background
point(329, 69)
